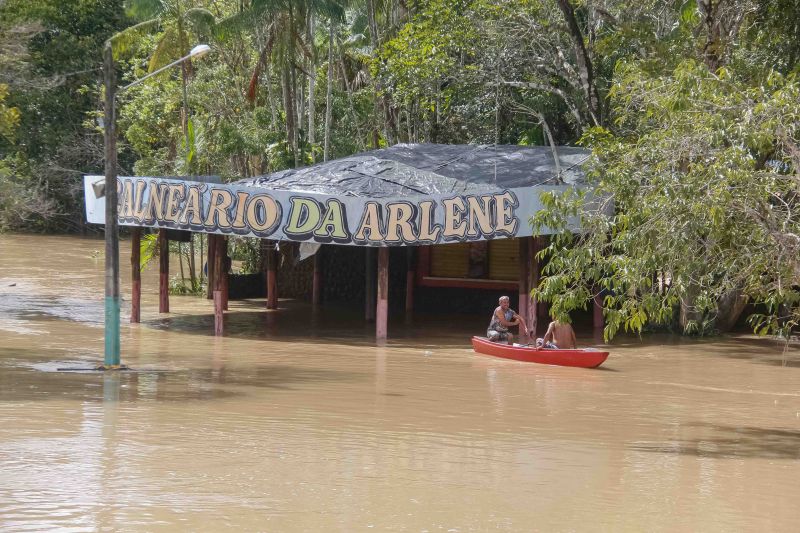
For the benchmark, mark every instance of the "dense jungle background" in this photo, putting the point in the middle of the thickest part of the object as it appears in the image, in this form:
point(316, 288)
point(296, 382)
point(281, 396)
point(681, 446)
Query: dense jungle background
point(691, 110)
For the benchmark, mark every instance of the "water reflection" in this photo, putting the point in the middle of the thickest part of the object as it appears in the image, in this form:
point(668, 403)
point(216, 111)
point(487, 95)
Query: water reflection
point(283, 427)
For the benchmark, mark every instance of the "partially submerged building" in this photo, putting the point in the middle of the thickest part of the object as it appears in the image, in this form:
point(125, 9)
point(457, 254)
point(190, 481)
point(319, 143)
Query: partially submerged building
point(443, 216)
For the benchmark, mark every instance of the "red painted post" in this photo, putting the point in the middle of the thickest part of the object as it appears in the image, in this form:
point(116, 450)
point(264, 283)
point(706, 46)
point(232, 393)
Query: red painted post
point(382, 307)
point(524, 274)
point(272, 278)
point(136, 276)
point(210, 254)
point(411, 276)
point(219, 307)
point(225, 270)
point(219, 314)
point(316, 282)
point(163, 271)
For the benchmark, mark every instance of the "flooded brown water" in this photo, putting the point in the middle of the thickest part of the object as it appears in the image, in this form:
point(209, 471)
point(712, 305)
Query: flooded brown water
point(296, 421)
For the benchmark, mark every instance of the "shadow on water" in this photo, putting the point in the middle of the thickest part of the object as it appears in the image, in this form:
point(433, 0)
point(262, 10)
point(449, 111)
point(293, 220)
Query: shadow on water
point(720, 441)
point(23, 381)
point(296, 321)
point(758, 350)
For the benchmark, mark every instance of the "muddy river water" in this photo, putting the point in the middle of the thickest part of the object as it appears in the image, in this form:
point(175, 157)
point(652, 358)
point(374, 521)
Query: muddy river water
point(296, 421)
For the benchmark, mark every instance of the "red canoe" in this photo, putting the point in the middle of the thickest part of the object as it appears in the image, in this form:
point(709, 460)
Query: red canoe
point(586, 358)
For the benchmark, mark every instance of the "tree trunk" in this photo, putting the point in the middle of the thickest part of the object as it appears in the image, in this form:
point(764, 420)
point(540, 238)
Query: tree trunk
point(289, 111)
point(583, 60)
point(328, 95)
point(202, 255)
point(380, 102)
point(312, 78)
point(192, 271)
point(729, 309)
point(350, 96)
point(688, 312)
point(271, 98)
point(180, 262)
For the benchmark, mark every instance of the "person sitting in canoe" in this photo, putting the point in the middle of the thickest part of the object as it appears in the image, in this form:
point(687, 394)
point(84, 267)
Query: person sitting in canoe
point(559, 335)
point(503, 318)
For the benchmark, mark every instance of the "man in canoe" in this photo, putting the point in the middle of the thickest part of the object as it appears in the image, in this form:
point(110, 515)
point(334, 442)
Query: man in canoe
point(559, 335)
point(503, 318)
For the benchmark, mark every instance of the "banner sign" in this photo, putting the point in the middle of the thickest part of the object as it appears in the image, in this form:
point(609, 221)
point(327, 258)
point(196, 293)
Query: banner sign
point(304, 217)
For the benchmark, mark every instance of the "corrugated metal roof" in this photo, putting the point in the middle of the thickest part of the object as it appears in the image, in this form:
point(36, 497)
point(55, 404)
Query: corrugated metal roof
point(423, 169)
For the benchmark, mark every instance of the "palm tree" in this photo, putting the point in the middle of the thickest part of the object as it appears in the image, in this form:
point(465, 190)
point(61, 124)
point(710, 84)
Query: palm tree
point(288, 43)
point(176, 18)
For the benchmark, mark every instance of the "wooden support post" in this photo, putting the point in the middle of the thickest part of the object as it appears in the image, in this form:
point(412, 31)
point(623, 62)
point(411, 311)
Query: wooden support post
point(219, 308)
point(219, 314)
point(136, 276)
point(599, 319)
point(316, 282)
point(411, 275)
point(369, 289)
point(524, 275)
point(272, 278)
point(210, 253)
point(382, 307)
point(543, 308)
point(534, 246)
point(226, 266)
point(163, 271)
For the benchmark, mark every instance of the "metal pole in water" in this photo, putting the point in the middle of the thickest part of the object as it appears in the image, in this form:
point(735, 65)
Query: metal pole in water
point(112, 304)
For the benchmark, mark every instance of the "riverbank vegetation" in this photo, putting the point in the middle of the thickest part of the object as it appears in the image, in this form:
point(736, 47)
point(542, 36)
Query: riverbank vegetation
point(690, 108)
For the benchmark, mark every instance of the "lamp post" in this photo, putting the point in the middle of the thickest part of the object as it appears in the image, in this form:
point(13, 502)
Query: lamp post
point(111, 359)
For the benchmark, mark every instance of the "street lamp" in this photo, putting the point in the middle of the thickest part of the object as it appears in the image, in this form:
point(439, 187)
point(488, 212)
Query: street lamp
point(112, 300)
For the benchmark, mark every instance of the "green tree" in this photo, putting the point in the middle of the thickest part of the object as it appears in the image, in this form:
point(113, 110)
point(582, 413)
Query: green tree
point(695, 206)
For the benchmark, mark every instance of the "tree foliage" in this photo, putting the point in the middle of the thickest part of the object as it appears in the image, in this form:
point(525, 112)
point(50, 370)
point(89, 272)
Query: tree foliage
point(689, 108)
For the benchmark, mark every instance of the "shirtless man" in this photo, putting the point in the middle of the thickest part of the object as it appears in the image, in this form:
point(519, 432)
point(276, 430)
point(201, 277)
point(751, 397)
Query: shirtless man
point(559, 335)
point(503, 318)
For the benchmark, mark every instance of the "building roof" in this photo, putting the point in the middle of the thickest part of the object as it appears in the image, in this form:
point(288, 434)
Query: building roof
point(425, 169)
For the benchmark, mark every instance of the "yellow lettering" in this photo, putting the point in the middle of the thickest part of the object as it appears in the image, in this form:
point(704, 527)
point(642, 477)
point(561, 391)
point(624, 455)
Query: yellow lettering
point(192, 206)
point(480, 214)
point(370, 221)
point(428, 231)
point(272, 213)
point(127, 199)
point(157, 201)
point(220, 201)
point(303, 218)
point(454, 223)
point(505, 221)
point(174, 198)
point(399, 218)
point(139, 207)
point(333, 223)
point(241, 202)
